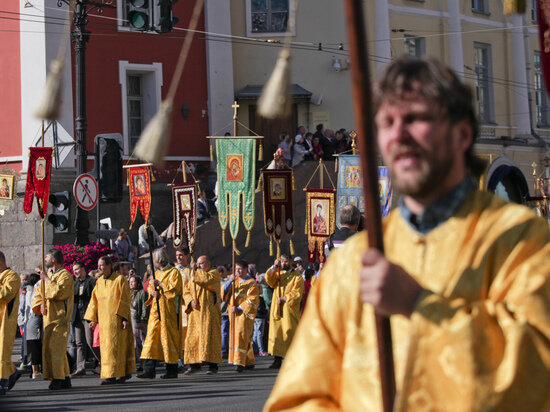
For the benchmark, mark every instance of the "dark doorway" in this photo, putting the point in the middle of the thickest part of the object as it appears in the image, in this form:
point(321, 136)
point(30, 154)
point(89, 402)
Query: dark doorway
point(272, 129)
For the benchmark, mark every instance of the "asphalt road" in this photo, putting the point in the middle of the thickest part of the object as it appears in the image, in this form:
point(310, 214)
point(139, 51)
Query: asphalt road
point(225, 391)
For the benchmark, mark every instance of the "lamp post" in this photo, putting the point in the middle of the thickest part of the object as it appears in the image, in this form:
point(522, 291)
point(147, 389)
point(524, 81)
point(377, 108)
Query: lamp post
point(80, 37)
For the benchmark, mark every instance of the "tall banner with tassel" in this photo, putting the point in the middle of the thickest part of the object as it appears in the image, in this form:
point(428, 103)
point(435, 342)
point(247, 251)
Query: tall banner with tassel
point(278, 206)
point(236, 181)
point(320, 221)
point(139, 180)
point(350, 186)
point(38, 179)
point(184, 203)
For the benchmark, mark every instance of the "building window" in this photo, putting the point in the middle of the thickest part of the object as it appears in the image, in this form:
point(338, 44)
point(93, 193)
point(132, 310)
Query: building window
point(480, 6)
point(141, 86)
point(267, 17)
point(542, 107)
point(483, 70)
point(534, 11)
point(415, 46)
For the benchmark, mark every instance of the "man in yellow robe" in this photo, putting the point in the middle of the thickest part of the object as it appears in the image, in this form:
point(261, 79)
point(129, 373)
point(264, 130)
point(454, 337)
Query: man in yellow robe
point(243, 295)
point(288, 290)
point(163, 340)
point(10, 282)
point(466, 276)
point(202, 302)
point(56, 307)
point(109, 307)
point(182, 265)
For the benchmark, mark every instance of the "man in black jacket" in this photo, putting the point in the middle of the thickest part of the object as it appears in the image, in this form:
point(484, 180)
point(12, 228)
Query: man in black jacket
point(349, 221)
point(83, 287)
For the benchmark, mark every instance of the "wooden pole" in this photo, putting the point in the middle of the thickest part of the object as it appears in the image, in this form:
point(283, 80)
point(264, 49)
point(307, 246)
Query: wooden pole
point(151, 242)
point(232, 323)
point(321, 177)
point(184, 171)
point(362, 95)
point(42, 283)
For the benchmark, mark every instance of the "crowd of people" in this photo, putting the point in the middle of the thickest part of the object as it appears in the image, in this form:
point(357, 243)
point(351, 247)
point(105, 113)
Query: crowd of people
point(187, 315)
point(322, 144)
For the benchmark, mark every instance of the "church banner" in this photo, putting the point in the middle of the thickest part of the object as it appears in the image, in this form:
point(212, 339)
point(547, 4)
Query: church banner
point(139, 180)
point(278, 204)
point(543, 14)
point(350, 185)
point(320, 221)
point(236, 183)
point(38, 179)
point(184, 205)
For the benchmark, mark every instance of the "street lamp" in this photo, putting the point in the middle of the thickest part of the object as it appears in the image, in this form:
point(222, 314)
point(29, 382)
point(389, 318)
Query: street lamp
point(80, 37)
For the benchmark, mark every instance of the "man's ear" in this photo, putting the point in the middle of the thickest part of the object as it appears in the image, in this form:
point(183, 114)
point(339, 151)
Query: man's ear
point(463, 135)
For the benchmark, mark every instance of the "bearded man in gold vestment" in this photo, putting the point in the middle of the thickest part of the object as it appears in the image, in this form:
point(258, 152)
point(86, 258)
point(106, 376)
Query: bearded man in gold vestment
point(163, 340)
point(465, 279)
point(288, 290)
point(109, 307)
point(202, 302)
point(243, 295)
point(56, 307)
point(10, 282)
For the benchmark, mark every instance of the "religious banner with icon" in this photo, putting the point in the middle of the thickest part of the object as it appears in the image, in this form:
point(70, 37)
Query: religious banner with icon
point(320, 221)
point(236, 180)
point(278, 206)
point(543, 14)
point(139, 180)
point(38, 179)
point(184, 202)
point(350, 186)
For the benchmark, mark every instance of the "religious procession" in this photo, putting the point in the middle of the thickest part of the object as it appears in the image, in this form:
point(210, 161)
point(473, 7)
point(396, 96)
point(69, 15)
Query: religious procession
point(238, 242)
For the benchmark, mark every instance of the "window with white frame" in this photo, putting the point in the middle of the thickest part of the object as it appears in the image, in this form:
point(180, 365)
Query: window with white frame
point(267, 17)
point(542, 106)
point(483, 73)
point(141, 86)
point(414, 46)
point(480, 6)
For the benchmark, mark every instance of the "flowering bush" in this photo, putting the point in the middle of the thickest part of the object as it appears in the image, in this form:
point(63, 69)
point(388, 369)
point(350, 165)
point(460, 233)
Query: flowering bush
point(88, 255)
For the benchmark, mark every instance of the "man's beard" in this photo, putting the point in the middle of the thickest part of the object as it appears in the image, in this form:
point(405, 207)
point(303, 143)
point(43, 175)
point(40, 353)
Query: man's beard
point(431, 171)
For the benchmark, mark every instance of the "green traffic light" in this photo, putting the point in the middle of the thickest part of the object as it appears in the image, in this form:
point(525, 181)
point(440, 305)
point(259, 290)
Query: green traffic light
point(138, 20)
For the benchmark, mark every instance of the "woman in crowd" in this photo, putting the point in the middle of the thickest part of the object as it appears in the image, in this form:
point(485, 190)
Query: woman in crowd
point(140, 315)
point(33, 328)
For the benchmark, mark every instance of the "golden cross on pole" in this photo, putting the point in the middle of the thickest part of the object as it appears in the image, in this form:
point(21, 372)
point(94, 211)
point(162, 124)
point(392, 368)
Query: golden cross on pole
point(235, 107)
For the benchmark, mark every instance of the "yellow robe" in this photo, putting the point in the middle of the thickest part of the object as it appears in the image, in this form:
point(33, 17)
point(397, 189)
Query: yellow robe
point(163, 340)
point(59, 297)
point(10, 282)
point(478, 339)
point(282, 329)
point(110, 303)
point(185, 277)
point(204, 337)
point(241, 324)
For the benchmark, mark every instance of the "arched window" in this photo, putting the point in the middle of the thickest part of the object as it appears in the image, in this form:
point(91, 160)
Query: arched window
point(508, 183)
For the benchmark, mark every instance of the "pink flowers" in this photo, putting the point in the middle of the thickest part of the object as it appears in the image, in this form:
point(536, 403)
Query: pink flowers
point(88, 255)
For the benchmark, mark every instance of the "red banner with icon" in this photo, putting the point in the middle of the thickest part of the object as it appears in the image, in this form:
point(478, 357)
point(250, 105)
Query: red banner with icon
point(38, 179)
point(139, 180)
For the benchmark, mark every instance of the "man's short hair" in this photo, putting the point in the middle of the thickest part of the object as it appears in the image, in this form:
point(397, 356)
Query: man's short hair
point(183, 249)
point(319, 127)
point(242, 263)
point(79, 264)
point(349, 215)
point(161, 256)
point(107, 260)
point(121, 231)
point(434, 82)
point(285, 257)
point(57, 255)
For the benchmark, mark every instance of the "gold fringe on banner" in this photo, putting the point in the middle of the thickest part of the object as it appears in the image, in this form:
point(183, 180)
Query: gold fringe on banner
point(223, 238)
point(153, 177)
point(128, 178)
point(278, 249)
point(247, 239)
point(235, 248)
point(292, 251)
point(261, 152)
point(514, 6)
point(270, 246)
point(259, 184)
point(211, 153)
point(336, 165)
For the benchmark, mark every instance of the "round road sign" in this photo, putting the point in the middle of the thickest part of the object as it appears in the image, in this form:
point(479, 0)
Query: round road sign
point(85, 191)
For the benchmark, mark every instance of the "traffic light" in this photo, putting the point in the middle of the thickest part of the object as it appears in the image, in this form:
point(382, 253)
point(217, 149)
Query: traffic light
point(110, 178)
point(139, 14)
point(60, 216)
point(164, 20)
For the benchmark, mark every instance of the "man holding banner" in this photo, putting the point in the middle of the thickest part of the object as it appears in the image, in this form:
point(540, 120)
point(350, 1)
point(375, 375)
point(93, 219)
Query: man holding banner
point(465, 278)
